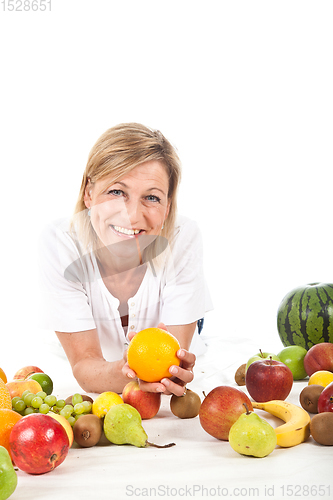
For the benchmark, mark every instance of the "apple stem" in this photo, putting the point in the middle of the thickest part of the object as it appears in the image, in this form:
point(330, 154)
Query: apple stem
point(246, 408)
point(203, 392)
point(270, 360)
point(160, 446)
point(261, 354)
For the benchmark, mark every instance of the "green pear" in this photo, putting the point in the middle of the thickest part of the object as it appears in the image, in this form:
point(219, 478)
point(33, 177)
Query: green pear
point(122, 425)
point(8, 477)
point(252, 435)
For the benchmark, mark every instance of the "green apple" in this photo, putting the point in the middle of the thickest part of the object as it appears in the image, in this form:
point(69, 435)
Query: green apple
point(252, 435)
point(261, 355)
point(8, 477)
point(293, 357)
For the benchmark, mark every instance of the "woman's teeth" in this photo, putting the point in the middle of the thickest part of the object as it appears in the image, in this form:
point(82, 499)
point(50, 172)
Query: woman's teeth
point(123, 230)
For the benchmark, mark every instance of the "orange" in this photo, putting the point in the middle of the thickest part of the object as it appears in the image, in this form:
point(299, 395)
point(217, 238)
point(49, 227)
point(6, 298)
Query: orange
point(3, 376)
point(151, 352)
point(8, 419)
point(5, 398)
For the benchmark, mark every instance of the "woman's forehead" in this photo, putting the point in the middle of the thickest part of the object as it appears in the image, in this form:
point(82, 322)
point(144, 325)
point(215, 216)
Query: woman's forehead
point(147, 174)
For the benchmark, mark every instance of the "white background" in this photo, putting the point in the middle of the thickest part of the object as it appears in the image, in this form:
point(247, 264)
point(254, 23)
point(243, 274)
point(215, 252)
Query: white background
point(243, 89)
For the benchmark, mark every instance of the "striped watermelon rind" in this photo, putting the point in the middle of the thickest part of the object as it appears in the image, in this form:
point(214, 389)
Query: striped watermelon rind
point(305, 315)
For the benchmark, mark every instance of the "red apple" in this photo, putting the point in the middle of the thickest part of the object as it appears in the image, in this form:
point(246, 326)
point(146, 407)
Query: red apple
point(319, 357)
point(38, 443)
point(325, 401)
point(268, 379)
point(221, 408)
point(26, 371)
point(147, 403)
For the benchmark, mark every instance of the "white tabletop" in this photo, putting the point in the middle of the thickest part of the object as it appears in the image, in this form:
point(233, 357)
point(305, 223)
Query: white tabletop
point(199, 466)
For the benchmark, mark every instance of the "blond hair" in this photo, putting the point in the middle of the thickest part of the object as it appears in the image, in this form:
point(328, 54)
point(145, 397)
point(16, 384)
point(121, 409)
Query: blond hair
point(117, 152)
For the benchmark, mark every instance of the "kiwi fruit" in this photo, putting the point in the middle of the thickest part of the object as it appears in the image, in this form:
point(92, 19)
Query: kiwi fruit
point(321, 428)
point(309, 397)
point(240, 375)
point(88, 430)
point(186, 406)
point(68, 401)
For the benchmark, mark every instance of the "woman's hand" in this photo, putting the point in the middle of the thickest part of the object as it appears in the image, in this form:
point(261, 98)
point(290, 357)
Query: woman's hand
point(182, 374)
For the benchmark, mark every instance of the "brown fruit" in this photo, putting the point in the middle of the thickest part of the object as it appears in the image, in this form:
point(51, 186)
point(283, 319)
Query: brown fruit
point(187, 406)
point(309, 397)
point(240, 375)
point(68, 401)
point(88, 430)
point(321, 428)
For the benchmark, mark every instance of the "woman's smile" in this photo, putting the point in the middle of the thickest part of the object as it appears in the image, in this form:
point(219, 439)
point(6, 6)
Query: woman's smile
point(123, 231)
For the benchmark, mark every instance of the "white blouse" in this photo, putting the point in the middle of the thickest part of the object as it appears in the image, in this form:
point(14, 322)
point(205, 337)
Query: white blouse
point(75, 298)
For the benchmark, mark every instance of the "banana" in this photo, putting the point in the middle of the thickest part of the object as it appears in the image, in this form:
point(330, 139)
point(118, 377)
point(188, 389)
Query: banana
point(297, 421)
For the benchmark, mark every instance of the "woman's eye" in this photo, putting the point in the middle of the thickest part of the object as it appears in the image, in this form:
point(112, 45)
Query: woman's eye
point(152, 197)
point(116, 192)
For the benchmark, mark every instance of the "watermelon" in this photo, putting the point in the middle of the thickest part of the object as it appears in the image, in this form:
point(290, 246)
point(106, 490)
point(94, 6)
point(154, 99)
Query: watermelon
point(305, 315)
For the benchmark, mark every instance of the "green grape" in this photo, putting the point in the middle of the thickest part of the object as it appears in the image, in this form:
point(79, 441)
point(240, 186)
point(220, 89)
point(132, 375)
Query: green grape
point(60, 403)
point(16, 398)
point(41, 394)
point(44, 408)
point(36, 402)
point(87, 406)
point(28, 411)
point(24, 393)
point(50, 400)
point(79, 408)
point(28, 398)
point(77, 398)
point(65, 412)
point(69, 408)
point(71, 420)
point(78, 416)
point(19, 406)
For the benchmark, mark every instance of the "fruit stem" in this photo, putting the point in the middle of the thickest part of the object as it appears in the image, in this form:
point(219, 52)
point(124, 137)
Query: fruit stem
point(159, 445)
point(246, 408)
point(86, 435)
point(203, 392)
point(261, 354)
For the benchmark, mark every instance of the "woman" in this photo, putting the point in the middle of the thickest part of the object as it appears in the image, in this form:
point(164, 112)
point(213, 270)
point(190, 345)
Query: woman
point(124, 263)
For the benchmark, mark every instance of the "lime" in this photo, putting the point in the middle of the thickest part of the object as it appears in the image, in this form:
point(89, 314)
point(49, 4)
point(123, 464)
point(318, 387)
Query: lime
point(44, 381)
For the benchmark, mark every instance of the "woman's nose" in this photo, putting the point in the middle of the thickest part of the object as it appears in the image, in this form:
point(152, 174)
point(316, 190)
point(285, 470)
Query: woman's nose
point(134, 211)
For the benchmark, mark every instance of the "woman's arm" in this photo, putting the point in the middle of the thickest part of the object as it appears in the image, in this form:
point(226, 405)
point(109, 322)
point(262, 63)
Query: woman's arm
point(92, 372)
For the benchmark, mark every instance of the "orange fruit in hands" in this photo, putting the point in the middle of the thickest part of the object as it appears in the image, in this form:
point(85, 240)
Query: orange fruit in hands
point(5, 398)
point(8, 419)
point(151, 352)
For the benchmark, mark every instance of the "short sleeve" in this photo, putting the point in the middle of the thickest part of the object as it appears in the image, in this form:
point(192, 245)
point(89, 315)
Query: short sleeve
point(185, 296)
point(64, 300)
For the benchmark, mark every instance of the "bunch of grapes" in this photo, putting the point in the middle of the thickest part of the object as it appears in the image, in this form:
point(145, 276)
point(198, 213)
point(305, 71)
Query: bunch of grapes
point(43, 403)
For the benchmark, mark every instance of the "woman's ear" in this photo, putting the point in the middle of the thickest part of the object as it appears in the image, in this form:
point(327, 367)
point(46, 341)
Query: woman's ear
point(167, 211)
point(87, 193)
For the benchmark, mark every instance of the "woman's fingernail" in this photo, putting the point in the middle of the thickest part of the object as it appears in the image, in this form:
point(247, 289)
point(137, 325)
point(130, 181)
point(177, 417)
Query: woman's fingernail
point(181, 353)
point(130, 375)
point(173, 370)
point(160, 389)
point(165, 382)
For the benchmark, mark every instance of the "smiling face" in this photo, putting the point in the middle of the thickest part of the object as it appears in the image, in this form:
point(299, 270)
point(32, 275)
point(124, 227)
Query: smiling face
point(131, 208)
